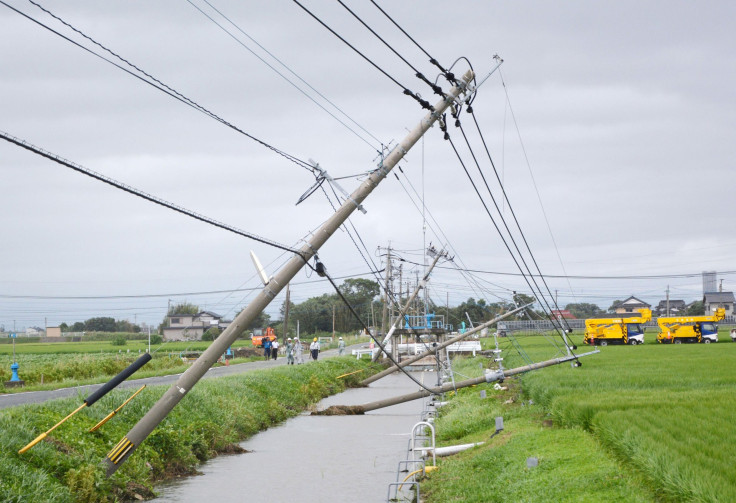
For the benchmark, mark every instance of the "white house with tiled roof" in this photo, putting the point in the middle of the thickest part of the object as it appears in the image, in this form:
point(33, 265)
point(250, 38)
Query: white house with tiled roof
point(632, 305)
point(713, 300)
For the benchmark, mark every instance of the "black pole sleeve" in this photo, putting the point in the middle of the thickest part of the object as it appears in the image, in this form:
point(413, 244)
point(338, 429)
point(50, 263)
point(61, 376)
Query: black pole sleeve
point(122, 376)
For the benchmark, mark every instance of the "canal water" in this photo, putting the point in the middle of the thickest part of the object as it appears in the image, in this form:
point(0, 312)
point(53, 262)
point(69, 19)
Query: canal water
point(311, 459)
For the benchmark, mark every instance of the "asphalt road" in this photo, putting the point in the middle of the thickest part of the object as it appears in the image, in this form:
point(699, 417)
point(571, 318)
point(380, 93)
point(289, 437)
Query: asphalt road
point(22, 398)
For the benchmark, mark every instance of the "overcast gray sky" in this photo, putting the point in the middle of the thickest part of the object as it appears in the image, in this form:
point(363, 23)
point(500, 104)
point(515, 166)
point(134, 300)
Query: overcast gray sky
point(625, 112)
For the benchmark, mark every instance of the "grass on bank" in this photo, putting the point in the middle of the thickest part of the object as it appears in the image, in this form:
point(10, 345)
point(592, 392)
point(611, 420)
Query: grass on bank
point(573, 466)
point(643, 423)
point(211, 419)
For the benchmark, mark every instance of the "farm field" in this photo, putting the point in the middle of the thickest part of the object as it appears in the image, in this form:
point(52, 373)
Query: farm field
point(63, 364)
point(661, 414)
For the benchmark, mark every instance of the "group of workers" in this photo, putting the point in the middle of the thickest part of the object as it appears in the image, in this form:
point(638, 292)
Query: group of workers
point(294, 349)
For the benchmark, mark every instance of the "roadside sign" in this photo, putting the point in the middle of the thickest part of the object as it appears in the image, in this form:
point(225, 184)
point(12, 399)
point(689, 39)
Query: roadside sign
point(13, 335)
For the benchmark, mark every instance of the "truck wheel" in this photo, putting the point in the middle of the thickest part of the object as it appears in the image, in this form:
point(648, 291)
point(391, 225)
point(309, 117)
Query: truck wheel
point(604, 343)
point(678, 341)
point(633, 342)
point(707, 341)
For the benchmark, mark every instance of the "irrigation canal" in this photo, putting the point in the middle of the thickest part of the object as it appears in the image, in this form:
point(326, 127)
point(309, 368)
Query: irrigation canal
point(313, 459)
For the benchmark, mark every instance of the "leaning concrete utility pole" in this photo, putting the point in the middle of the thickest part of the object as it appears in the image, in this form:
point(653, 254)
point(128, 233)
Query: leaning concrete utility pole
point(496, 375)
point(433, 350)
point(130, 442)
point(402, 313)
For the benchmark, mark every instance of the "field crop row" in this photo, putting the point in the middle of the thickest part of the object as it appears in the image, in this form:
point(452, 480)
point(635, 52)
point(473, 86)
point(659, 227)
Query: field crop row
point(667, 410)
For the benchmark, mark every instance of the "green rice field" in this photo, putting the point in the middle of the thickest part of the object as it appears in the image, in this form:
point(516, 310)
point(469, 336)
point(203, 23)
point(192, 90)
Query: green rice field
point(634, 423)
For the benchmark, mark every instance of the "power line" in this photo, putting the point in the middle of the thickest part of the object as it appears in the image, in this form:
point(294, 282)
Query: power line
point(590, 277)
point(529, 167)
point(424, 103)
point(437, 89)
point(141, 194)
point(284, 76)
point(448, 75)
point(505, 224)
point(157, 84)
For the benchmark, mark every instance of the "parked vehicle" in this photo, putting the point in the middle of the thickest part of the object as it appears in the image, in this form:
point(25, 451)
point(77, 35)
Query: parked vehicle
point(605, 331)
point(257, 339)
point(690, 329)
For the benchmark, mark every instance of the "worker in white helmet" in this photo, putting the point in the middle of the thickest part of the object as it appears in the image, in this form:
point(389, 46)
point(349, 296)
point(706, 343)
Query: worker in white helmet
point(289, 352)
point(340, 346)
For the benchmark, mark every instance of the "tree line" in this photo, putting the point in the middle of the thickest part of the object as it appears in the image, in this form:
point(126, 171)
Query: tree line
point(100, 324)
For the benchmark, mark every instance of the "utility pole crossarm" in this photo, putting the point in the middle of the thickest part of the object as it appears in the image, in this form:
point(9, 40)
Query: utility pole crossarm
point(130, 442)
point(431, 351)
point(405, 309)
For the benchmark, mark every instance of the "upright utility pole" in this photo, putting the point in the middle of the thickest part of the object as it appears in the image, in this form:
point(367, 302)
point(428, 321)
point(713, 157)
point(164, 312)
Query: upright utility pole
point(193, 374)
point(404, 310)
point(386, 294)
point(668, 299)
point(286, 315)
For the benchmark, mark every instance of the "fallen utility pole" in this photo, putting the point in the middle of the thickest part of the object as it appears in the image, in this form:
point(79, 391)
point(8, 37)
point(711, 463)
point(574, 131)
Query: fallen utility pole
point(402, 313)
point(493, 376)
point(130, 442)
point(434, 349)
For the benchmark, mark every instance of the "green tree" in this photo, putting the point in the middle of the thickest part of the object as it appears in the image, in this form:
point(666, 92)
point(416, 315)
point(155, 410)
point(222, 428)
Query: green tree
point(211, 334)
point(78, 326)
point(184, 308)
point(582, 310)
point(101, 324)
point(697, 308)
point(64, 327)
point(126, 326)
point(119, 340)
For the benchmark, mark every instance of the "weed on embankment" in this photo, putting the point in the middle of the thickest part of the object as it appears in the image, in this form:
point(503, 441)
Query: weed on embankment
point(211, 419)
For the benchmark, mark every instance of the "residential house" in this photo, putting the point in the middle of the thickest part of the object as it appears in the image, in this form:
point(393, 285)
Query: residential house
point(677, 308)
point(192, 326)
point(713, 300)
point(562, 313)
point(632, 305)
point(53, 331)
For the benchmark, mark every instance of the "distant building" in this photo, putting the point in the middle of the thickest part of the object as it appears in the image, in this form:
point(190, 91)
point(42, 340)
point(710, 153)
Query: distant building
point(34, 331)
point(677, 308)
point(709, 281)
point(632, 305)
point(713, 300)
point(192, 326)
point(53, 331)
point(563, 313)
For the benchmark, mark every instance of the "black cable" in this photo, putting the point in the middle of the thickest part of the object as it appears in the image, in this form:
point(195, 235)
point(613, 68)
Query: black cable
point(323, 272)
point(424, 103)
point(376, 274)
point(448, 75)
point(284, 76)
point(437, 89)
point(521, 256)
point(447, 137)
point(143, 195)
point(662, 276)
point(161, 87)
point(156, 295)
point(506, 197)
